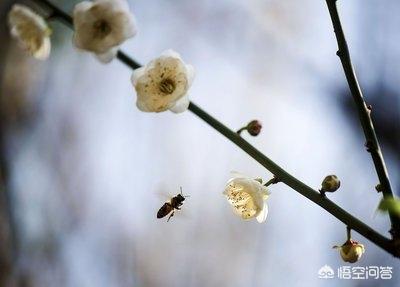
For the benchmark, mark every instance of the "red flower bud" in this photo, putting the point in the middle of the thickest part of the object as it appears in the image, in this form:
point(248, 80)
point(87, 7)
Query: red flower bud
point(254, 127)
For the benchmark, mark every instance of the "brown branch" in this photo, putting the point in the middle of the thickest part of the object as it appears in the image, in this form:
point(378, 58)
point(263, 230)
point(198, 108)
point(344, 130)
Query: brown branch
point(364, 113)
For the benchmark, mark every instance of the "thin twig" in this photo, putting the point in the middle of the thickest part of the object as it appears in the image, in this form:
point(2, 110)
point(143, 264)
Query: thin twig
point(348, 229)
point(283, 176)
point(273, 180)
point(364, 113)
point(239, 131)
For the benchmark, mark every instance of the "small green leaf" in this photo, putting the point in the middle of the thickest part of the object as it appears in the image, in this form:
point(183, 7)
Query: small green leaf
point(390, 205)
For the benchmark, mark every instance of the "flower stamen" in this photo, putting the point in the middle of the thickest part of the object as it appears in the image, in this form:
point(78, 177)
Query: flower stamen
point(101, 29)
point(167, 86)
point(247, 197)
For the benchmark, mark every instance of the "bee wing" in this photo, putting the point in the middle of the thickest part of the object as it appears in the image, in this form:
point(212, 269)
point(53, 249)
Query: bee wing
point(163, 195)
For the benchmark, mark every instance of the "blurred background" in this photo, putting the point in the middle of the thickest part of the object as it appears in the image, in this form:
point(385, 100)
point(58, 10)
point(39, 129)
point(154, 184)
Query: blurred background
point(84, 172)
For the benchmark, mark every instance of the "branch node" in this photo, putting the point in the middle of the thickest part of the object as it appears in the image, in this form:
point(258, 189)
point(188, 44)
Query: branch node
point(273, 180)
point(379, 187)
point(276, 180)
point(369, 146)
point(396, 236)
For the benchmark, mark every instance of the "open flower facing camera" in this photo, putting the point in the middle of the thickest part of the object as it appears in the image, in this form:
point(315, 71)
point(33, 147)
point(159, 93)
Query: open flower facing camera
point(163, 84)
point(248, 197)
point(31, 31)
point(102, 25)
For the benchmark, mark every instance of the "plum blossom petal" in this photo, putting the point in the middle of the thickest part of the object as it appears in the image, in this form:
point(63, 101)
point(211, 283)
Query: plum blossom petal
point(181, 105)
point(262, 216)
point(108, 56)
point(137, 73)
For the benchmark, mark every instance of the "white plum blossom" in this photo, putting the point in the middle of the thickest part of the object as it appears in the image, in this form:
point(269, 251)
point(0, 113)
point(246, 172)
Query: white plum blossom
point(163, 84)
point(31, 31)
point(102, 25)
point(248, 197)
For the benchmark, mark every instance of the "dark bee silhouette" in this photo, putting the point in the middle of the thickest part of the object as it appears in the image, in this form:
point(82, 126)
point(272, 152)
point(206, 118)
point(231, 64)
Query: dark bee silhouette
point(169, 207)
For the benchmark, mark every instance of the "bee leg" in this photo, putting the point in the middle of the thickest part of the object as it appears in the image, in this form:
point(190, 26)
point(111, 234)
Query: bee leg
point(172, 214)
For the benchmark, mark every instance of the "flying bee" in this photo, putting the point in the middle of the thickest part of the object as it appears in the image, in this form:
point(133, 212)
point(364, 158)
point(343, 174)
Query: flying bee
point(170, 207)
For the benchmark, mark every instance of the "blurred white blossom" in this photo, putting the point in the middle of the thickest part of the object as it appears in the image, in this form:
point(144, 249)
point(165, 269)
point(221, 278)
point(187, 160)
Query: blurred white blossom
point(31, 31)
point(248, 197)
point(351, 251)
point(102, 25)
point(163, 84)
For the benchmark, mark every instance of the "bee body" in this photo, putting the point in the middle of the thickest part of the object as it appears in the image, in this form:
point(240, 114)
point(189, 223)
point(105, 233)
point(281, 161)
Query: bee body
point(169, 207)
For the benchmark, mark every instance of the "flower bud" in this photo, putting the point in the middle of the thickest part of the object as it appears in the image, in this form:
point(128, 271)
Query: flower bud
point(331, 183)
point(351, 251)
point(254, 127)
